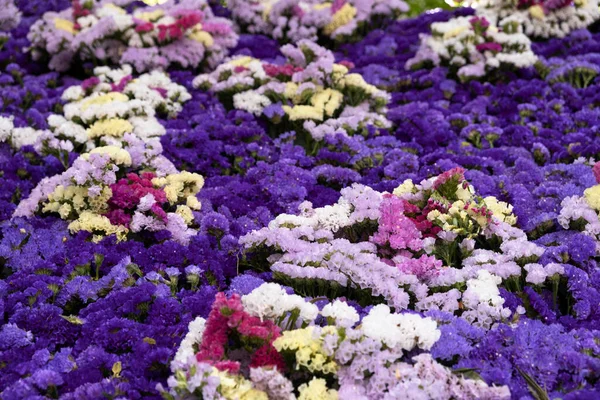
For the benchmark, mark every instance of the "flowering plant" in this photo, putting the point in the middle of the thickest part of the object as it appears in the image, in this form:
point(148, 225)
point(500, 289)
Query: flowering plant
point(106, 107)
point(291, 21)
point(184, 33)
point(326, 360)
point(101, 194)
point(432, 246)
point(309, 93)
point(473, 47)
point(544, 18)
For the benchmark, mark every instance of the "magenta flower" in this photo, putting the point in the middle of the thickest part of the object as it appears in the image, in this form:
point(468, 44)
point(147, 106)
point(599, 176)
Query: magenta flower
point(490, 46)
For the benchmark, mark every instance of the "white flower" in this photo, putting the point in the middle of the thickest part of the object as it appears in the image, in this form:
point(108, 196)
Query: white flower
point(6, 127)
point(195, 331)
point(270, 301)
point(251, 101)
point(343, 314)
point(406, 331)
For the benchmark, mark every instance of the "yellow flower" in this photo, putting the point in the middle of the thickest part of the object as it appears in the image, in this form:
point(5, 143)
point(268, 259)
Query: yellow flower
point(241, 61)
point(99, 204)
point(150, 16)
point(464, 194)
point(193, 203)
point(501, 210)
point(316, 390)
point(117, 155)
point(581, 3)
point(308, 348)
point(115, 127)
point(358, 81)
point(186, 213)
point(406, 187)
point(104, 99)
point(181, 185)
point(303, 112)
point(291, 89)
point(237, 387)
point(342, 17)
point(327, 100)
point(455, 32)
point(433, 215)
point(202, 37)
point(592, 196)
point(537, 12)
point(65, 25)
point(91, 222)
point(338, 72)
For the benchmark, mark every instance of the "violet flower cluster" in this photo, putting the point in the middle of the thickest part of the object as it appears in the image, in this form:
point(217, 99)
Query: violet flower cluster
point(183, 33)
point(496, 295)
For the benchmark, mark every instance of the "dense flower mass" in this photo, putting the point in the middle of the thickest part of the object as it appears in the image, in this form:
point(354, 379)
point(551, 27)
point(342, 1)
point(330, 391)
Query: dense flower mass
point(184, 33)
point(547, 18)
point(291, 21)
point(101, 195)
point(299, 200)
point(472, 47)
point(310, 92)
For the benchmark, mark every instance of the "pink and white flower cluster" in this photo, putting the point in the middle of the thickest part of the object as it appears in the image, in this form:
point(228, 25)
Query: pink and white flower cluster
point(543, 19)
point(274, 352)
point(472, 47)
point(310, 92)
point(429, 246)
point(292, 20)
point(185, 33)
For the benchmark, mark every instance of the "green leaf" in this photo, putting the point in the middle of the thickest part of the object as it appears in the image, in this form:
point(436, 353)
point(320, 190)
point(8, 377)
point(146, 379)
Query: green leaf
point(73, 319)
point(536, 390)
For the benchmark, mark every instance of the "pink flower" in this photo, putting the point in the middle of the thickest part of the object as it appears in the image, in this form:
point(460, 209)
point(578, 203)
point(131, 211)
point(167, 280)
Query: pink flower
point(121, 85)
point(143, 26)
point(596, 171)
point(337, 4)
point(424, 267)
point(490, 46)
point(286, 70)
point(90, 83)
point(346, 63)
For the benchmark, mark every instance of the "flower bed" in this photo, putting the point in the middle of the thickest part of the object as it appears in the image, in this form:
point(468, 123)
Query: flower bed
point(299, 209)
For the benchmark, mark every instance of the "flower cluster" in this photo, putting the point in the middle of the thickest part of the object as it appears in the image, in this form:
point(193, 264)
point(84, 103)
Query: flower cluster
point(431, 246)
point(102, 195)
point(291, 21)
point(9, 17)
point(473, 47)
point(543, 19)
point(105, 108)
point(309, 92)
point(274, 358)
point(184, 33)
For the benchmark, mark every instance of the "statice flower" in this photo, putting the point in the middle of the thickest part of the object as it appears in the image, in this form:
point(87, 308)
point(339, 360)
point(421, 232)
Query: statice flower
point(545, 19)
point(289, 21)
point(100, 194)
point(473, 48)
point(10, 16)
point(271, 301)
point(109, 107)
point(313, 93)
point(185, 33)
